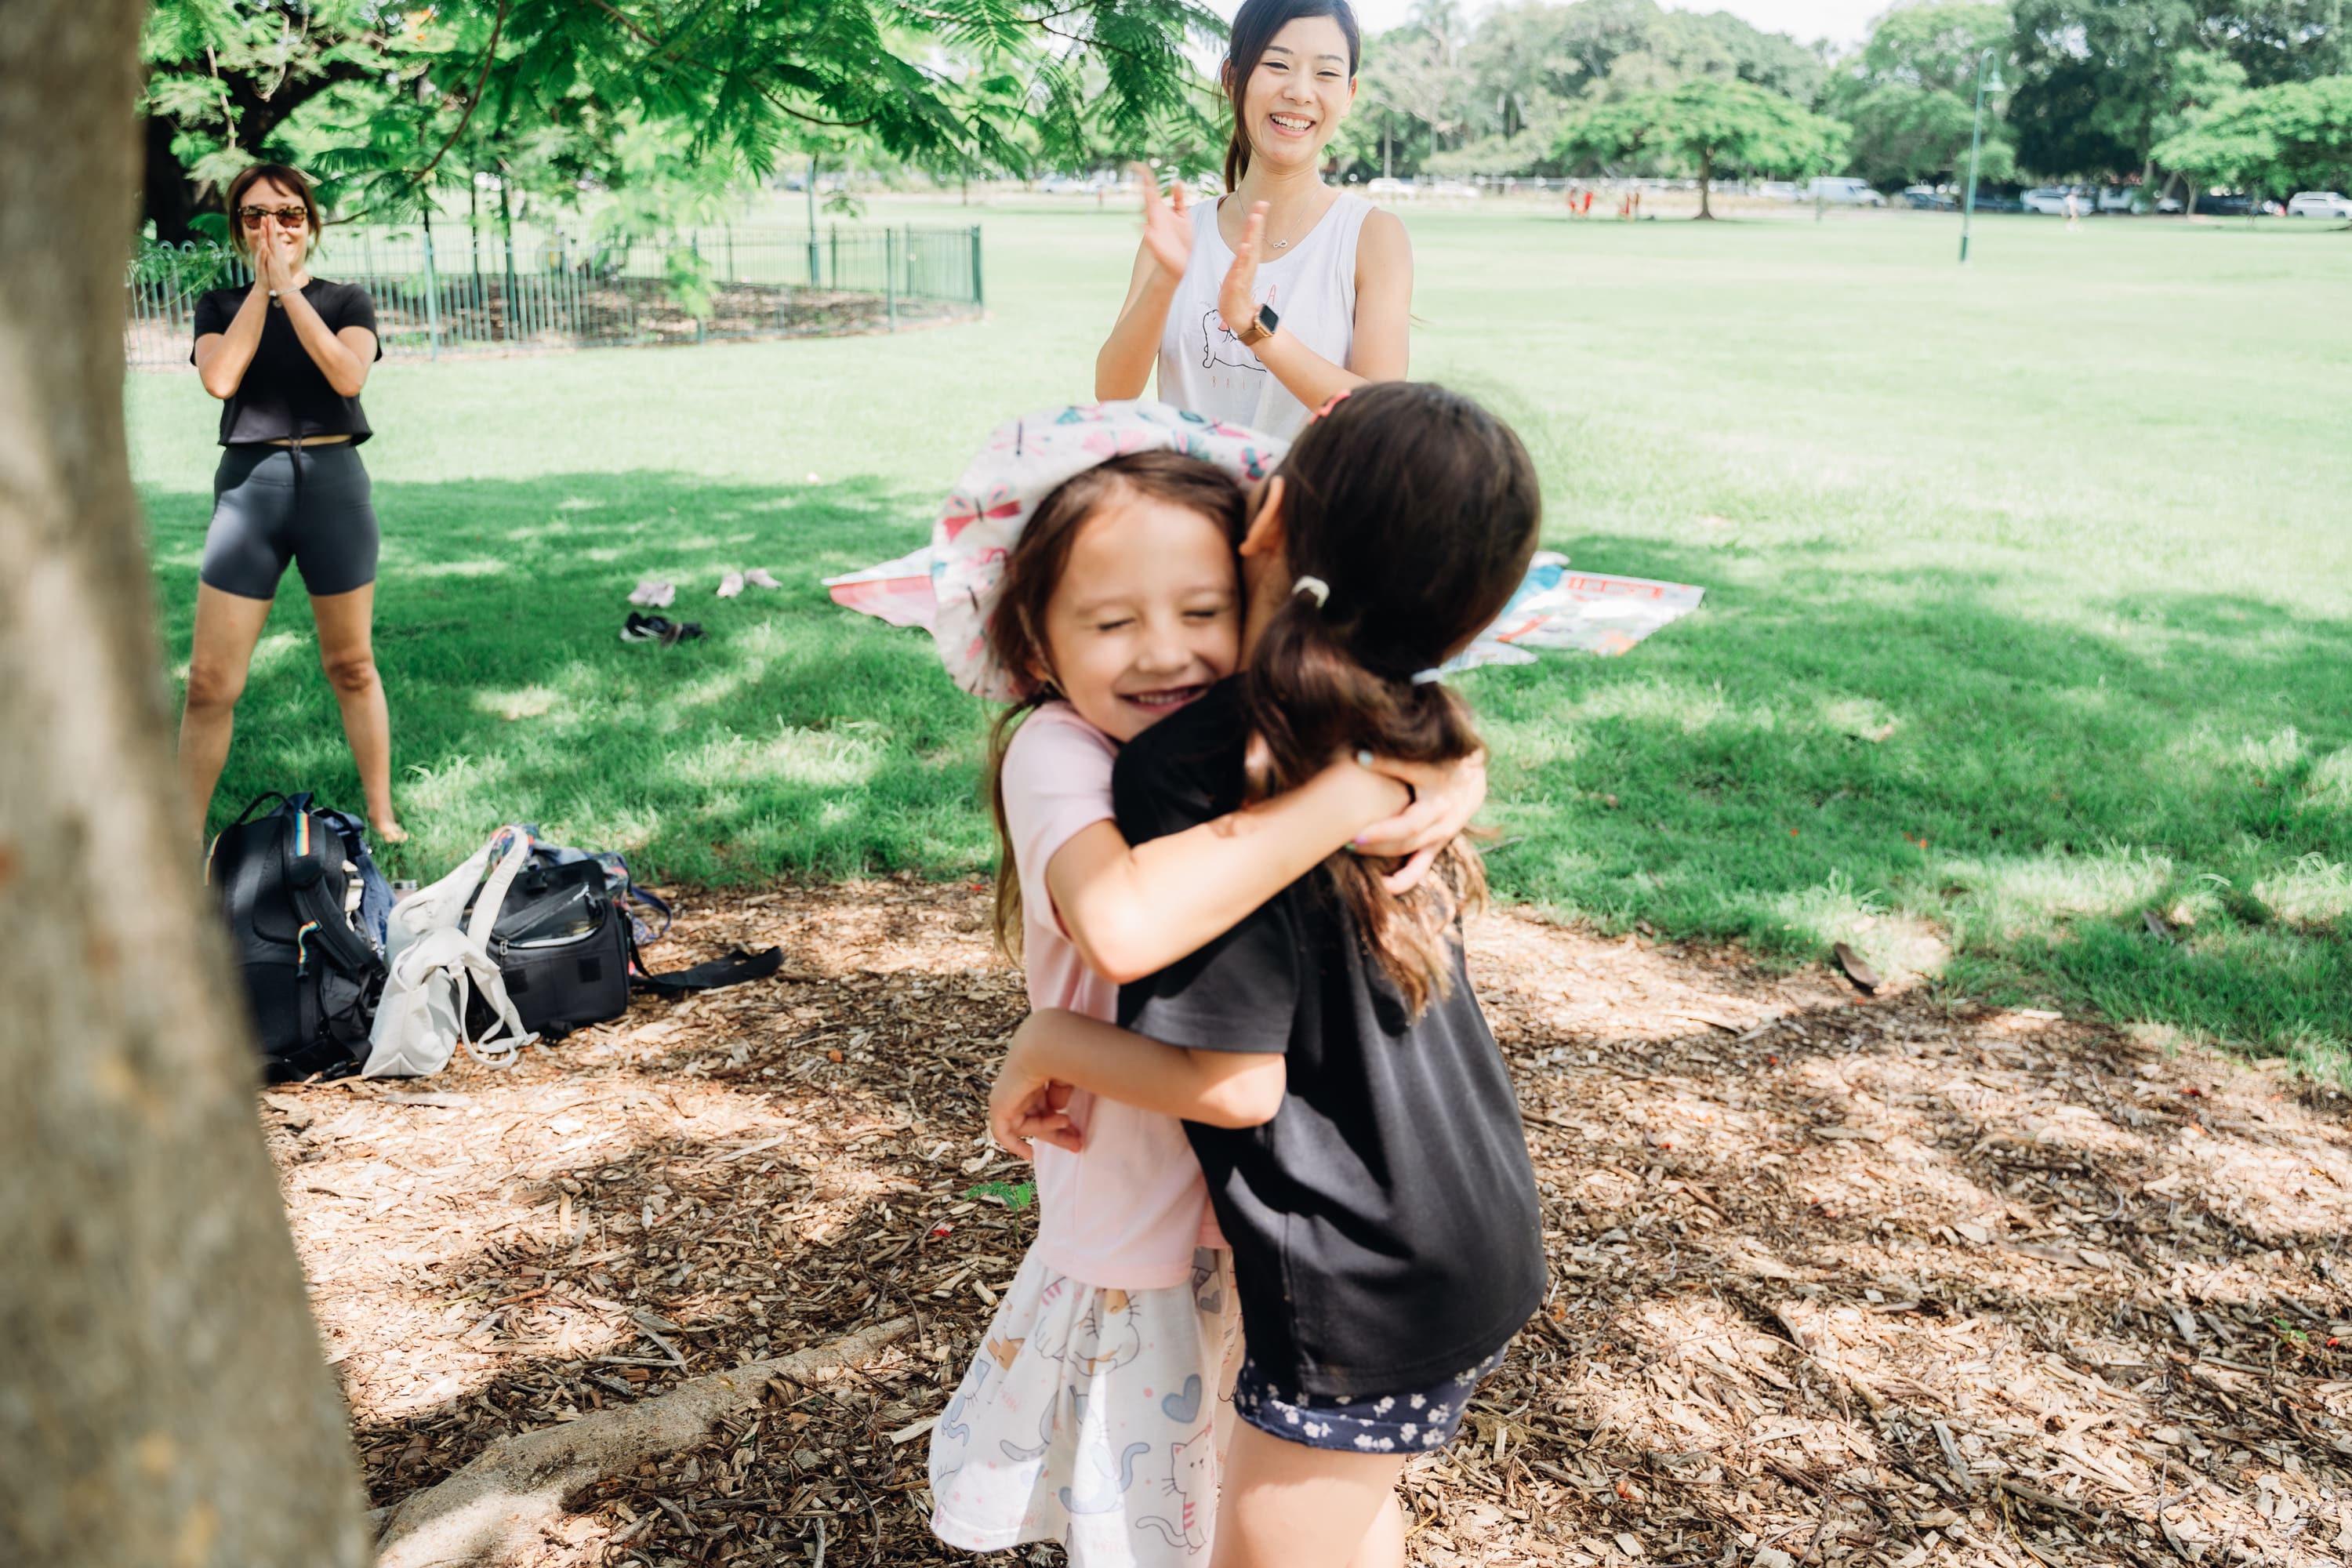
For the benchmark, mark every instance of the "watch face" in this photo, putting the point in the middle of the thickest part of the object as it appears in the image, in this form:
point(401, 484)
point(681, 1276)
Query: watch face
point(1267, 319)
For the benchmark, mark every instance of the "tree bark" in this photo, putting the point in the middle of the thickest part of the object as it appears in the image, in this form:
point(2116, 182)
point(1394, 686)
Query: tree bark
point(162, 1399)
point(1706, 178)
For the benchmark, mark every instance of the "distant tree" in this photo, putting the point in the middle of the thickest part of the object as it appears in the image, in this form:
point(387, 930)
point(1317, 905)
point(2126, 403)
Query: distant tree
point(1492, 99)
point(1910, 93)
point(2095, 79)
point(2273, 141)
point(1709, 128)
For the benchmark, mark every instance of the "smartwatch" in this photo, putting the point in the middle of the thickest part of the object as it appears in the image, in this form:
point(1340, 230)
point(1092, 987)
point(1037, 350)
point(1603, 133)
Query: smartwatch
point(1258, 331)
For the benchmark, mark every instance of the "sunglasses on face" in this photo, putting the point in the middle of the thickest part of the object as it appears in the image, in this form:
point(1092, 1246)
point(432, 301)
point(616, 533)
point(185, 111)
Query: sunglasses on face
point(292, 217)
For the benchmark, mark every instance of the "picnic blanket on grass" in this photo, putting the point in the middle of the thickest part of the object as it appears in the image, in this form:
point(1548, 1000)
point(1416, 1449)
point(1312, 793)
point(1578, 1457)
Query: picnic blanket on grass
point(1555, 609)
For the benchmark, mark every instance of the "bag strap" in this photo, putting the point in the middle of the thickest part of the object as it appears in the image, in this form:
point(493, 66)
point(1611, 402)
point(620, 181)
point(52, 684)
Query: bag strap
point(503, 1041)
point(493, 895)
point(246, 815)
point(321, 912)
point(733, 970)
point(655, 903)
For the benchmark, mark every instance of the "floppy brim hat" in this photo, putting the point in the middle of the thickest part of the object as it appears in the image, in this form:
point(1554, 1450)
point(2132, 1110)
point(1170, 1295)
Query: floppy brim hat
point(1026, 461)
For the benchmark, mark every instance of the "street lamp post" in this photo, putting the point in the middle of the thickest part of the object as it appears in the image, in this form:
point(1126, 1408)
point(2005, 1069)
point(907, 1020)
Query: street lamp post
point(1976, 140)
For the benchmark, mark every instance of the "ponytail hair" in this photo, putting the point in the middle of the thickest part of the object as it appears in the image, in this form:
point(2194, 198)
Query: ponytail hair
point(1255, 26)
point(1017, 644)
point(1418, 511)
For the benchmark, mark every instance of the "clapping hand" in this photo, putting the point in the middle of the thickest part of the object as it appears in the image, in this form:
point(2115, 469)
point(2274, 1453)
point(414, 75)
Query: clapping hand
point(1167, 223)
point(1237, 294)
point(273, 262)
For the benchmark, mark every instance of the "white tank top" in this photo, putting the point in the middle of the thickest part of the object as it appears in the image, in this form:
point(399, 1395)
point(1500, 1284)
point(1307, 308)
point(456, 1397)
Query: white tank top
point(1311, 287)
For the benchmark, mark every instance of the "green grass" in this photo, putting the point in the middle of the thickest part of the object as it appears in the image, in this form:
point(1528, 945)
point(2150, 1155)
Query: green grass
point(2030, 591)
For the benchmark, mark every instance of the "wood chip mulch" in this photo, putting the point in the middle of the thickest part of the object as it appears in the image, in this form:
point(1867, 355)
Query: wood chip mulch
point(1896, 1280)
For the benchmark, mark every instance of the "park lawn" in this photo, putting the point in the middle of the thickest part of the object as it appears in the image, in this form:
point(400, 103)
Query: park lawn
point(2029, 609)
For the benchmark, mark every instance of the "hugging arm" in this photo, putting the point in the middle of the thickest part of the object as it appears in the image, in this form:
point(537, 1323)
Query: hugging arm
point(1132, 911)
point(1222, 1088)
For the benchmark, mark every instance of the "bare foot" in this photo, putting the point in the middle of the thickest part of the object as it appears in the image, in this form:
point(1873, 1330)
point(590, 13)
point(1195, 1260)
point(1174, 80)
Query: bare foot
point(389, 832)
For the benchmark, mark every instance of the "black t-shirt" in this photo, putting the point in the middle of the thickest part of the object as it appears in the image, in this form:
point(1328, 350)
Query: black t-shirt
point(1385, 1228)
point(284, 393)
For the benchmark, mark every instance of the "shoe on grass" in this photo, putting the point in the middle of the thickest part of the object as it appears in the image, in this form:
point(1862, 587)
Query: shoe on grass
point(682, 631)
point(731, 584)
point(652, 593)
point(642, 628)
point(759, 577)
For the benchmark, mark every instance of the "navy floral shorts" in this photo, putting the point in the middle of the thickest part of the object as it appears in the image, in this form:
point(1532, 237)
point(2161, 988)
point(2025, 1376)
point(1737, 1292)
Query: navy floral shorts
point(1409, 1423)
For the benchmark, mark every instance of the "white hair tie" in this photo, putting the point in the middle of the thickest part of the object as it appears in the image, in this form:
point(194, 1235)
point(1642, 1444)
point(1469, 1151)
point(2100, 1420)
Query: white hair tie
point(1427, 677)
point(1316, 587)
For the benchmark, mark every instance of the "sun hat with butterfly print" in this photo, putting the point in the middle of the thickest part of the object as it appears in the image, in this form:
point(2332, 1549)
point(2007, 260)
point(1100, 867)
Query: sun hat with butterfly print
point(1026, 461)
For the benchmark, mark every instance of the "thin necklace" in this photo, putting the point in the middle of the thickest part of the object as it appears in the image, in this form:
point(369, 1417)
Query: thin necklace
point(1286, 243)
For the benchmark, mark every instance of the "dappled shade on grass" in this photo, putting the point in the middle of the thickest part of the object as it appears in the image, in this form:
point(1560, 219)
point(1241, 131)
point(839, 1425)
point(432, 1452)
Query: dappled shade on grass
point(792, 736)
point(1911, 763)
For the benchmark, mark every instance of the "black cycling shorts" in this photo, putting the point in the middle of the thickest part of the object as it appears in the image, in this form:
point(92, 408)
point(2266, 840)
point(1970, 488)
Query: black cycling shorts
point(275, 504)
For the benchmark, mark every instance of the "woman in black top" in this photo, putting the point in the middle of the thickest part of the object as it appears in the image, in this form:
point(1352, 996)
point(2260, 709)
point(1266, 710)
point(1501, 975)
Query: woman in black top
point(286, 357)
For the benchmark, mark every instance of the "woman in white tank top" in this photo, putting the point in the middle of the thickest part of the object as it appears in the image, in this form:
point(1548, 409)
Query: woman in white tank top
point(1331, 273)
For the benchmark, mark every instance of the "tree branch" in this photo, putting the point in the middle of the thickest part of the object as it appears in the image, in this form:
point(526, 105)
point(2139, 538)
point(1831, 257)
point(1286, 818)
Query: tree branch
point(642, 36)
point(489, 58)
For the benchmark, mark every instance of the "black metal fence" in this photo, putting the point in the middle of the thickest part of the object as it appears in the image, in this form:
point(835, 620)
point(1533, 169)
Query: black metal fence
point(491, 294)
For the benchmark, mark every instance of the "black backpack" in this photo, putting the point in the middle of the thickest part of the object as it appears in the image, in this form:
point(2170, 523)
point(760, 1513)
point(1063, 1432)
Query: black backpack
point(305, 908)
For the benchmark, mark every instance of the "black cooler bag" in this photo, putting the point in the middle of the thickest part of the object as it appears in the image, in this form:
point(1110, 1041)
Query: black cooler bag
point(562, 944)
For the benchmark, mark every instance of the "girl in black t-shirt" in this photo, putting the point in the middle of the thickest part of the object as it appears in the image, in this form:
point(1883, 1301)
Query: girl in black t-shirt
point(1386, 1233)
point(286, 357)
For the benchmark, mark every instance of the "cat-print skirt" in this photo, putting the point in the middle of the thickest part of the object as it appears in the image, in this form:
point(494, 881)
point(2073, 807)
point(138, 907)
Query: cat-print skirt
point(1095, 1418)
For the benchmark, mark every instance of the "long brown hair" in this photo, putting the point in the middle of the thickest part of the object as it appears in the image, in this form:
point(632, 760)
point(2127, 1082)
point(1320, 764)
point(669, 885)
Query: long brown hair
point(1017, 644)
point(283, 174)
point(1255, 26)
point(1418, 511)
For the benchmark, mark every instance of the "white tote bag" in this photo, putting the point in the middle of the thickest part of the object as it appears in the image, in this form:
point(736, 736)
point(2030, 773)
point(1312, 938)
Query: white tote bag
point(436, 962)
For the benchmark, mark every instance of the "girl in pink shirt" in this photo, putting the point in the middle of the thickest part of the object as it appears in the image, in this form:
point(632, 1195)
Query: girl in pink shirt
point(1088, 578)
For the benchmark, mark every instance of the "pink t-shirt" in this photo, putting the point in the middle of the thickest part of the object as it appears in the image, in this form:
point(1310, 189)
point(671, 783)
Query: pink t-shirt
point(1126, 1213)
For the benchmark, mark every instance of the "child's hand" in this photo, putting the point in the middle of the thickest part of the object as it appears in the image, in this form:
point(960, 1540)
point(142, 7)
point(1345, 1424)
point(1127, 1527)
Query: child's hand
point(1026, 1108)
point(1446, 795)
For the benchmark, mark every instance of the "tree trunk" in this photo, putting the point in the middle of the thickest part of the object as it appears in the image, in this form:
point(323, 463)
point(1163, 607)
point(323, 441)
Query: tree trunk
point(171, 197)
point(165, 1401)
point(1706, 178)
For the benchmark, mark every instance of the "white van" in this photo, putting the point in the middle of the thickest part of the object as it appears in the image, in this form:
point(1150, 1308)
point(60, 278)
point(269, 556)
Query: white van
point(1844, 191)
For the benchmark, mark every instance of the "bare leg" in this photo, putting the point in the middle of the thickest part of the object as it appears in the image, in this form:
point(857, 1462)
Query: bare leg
point(1383, 1543)
point(227, 627)
point(347, 650)
point(1285, 1505)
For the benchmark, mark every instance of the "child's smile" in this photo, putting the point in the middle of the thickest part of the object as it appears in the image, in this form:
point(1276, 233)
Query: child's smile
point(1147, 616)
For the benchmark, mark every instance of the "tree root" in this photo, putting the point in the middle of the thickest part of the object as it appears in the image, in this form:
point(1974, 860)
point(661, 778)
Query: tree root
point(494, 1509)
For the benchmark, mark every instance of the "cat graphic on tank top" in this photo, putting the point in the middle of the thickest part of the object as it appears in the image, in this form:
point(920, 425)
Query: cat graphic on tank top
point(1220, 347)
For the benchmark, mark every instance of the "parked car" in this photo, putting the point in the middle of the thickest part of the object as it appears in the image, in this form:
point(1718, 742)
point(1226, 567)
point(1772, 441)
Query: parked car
point(1926, 198)
point(1993, 201)
point(1844, 191)
point(2225, 203)
point(2120, 199)
point(1394, 189)
point(2051, 201)
point(2319, 204)
point(1781, 191)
